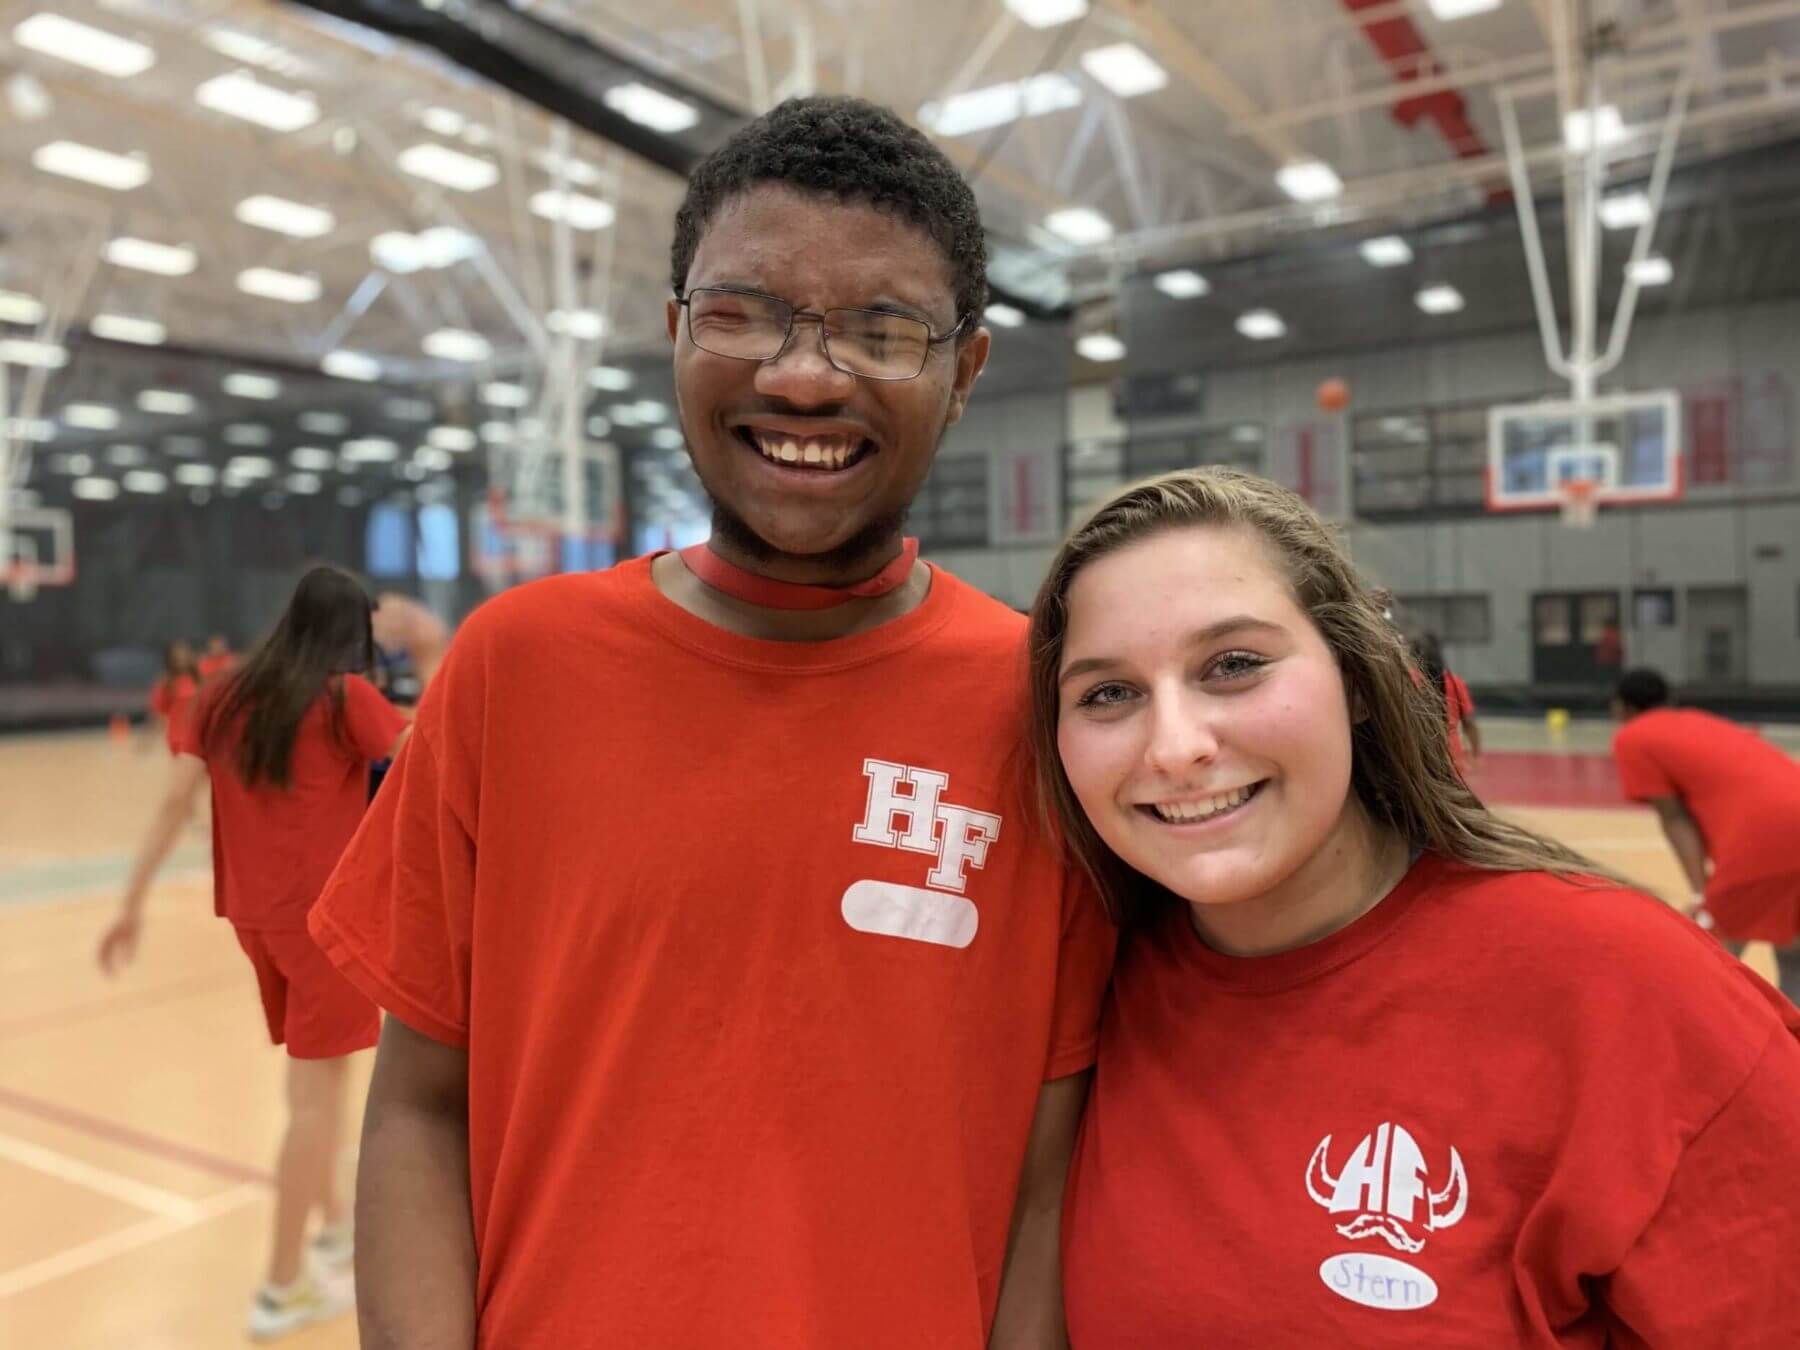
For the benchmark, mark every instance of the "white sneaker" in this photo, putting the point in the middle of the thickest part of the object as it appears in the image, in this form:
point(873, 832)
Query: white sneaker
point(332, 1252)
point(275, 1312)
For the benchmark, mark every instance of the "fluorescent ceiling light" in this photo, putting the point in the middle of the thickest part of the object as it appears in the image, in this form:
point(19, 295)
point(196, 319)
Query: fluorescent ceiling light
point(1624, 210)
point(272, 284)
point(568, 167)
point(95, 489)
point(250, 466)
point(246, 434)
point(440, 246)
point(126, 456)
point(32, 429)
point(625, 415)
point(448, 168)
point(72, 464)
point(1079, 225)
point(302, 483)
point(501, 394)
point(1652, 271)
point(128, 328)
point(1442, 299)
point(1100, 347)
point(294, 219)
point(1181, 284)
point(252, 51)
point(431, 459)
point(649, 411)
point(324, 423)
point(409, 409)
point(1448, 10)
point(1047, 13)
point(997, 104)
point(585, 324)
point(347, 365)
point(580, 211)
point(457, 344)
point(1390, 250)
point(1125, 69)
point(240, 94)
point(1310, 180)
point(144, 255)
point(17, 308)
point(312, 457)
point(1580, 132)
point(613, 379)
point(170, 402)
point(244, 384)
point(145, 480)
point(668, 438)
point(443, 121)
point(1261, 325)
point(1003, 316)
point(85, 164)
point(81, 45)
point(370, 450)
point(650, 107)
point(91, 416)
point(599, 426)
point(451, 438)
point(500, 433)
point(26, 352)
point(196, 475)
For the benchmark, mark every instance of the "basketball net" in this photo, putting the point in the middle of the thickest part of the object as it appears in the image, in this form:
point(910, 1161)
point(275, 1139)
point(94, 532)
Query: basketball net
point(1580, 504)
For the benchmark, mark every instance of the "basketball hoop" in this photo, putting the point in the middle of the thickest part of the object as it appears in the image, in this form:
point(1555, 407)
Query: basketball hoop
point(1580, 502)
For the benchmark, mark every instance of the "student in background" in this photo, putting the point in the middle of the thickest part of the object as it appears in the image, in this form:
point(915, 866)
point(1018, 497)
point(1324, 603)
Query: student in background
point(1459, 706)
point(286, 744)
point(1729, 803)
point(217, 659)
point(172, 696)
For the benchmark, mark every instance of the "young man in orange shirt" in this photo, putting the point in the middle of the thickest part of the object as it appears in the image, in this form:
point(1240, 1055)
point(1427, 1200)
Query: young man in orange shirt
point(737, 998)
point(1729, 802)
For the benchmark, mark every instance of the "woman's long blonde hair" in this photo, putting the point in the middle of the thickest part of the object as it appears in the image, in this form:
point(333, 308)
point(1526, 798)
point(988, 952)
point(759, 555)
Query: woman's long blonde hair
point(1401, 769)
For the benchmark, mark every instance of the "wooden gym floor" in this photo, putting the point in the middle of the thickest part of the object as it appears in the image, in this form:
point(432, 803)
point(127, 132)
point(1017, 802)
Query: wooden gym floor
point(139, 1117)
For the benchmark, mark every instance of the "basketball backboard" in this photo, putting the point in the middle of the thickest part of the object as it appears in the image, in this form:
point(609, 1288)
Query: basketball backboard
point(1628, 445)
point(39, 551)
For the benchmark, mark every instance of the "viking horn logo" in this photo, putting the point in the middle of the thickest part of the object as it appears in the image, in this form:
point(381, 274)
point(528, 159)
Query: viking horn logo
point(1383, 1185)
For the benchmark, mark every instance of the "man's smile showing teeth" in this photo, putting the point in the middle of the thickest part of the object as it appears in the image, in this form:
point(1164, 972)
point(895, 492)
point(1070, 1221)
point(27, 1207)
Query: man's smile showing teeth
point(1192, 810)
point(826, 454)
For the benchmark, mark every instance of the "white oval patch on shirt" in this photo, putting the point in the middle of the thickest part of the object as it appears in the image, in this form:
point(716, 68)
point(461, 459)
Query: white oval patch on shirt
point(910, 912)
point(1377, 1281)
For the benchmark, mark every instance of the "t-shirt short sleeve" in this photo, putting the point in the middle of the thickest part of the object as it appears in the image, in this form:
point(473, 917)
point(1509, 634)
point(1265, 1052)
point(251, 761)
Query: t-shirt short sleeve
point(1462, 705)
point(1083, 967)
point(373, 722)
point(184, 733)
point(1640, 776)
point(396, 916)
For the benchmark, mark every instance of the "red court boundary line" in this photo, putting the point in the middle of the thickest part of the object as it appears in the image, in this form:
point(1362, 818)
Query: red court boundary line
point(150, 998)
point(150, 1144)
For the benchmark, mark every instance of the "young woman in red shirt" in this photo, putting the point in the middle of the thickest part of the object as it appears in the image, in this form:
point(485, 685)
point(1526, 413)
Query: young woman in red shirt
point(286, 742)
point(172, 696)
point(1378, 1068)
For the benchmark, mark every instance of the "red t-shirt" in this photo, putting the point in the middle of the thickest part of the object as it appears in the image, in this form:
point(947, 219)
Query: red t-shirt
point(172, 699)
point(1458, 707)
point(211, 665)
point(274, 848)
point(758, 954)
point(1743, 793)
point(1498, 1110)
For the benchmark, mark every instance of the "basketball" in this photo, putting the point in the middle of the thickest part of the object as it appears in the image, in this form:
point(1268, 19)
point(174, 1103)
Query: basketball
point(1333, 395)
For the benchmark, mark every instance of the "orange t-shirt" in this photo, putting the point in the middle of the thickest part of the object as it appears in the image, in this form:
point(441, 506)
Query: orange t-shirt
point(274, 848)
point(172, 699)
point(758, 954)
point(1743, 793)
point(1458, 706)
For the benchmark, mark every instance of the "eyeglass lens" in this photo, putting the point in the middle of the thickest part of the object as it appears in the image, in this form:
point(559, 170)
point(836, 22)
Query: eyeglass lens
point(858, 341)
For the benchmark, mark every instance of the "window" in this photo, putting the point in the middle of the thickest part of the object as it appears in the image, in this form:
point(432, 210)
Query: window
point(388, 543)
point(1653, 609)
point(440, 544)
point(1463, 619)
point(952, 510)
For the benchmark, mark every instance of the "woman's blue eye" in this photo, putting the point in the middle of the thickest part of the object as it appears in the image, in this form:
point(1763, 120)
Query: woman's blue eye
point(1237, 665)
point(1103, 696)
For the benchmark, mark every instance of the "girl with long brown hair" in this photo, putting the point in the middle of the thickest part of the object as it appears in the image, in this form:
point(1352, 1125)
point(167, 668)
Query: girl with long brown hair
point(1378, 1068)
point(286, 742)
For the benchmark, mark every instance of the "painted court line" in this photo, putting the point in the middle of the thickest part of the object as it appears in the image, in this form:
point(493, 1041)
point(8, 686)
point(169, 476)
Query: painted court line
point(118, 1003)
point(142, 1234)
point(125, 1135)
point(152, 1199)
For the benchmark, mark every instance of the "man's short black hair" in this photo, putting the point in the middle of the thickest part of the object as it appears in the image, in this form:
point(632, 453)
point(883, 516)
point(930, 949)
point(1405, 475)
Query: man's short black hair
point(1642, 689)
point(855, 151)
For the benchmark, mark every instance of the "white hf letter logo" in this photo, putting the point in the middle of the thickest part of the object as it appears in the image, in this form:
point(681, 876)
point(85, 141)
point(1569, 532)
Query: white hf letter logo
point(906, 810)
point(956, 836)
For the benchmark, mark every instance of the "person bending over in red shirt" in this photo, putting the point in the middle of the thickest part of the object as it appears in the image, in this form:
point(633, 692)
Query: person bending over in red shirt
point(286, 743)
point(736, 999)
point(1729, 803)
point(1377, 1068)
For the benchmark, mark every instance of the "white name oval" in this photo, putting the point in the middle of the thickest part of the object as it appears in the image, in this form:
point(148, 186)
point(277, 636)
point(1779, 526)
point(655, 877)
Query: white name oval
point(910, 912)
point(1377, 1281)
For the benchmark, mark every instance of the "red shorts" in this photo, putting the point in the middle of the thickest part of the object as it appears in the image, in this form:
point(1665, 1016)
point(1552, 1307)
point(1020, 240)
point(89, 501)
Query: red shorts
point(310, 1008)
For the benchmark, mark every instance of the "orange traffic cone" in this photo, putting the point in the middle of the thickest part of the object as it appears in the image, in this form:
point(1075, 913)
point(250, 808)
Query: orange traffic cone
point(119, 729)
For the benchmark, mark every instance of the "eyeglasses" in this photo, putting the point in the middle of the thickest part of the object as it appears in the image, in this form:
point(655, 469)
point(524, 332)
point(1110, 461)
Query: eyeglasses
point(867, 342)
